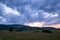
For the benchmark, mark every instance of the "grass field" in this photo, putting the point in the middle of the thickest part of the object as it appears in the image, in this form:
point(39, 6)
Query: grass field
point(5, 35)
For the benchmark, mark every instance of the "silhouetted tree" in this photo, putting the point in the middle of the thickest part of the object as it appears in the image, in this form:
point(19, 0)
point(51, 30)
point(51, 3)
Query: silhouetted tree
point(47, 31)
point(0, 28)
point(11, 29)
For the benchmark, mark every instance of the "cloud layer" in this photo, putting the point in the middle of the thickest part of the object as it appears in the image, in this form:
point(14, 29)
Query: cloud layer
point(28, 11)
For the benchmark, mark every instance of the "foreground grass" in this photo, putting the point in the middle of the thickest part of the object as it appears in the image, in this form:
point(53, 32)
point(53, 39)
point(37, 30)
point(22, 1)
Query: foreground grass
point(4, 35)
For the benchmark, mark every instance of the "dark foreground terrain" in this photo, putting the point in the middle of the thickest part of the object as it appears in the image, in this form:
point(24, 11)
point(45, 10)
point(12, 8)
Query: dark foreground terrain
point(6, 35)
point(22, 32)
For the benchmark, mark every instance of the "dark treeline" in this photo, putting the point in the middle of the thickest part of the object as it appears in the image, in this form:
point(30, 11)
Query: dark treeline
point(19, 28)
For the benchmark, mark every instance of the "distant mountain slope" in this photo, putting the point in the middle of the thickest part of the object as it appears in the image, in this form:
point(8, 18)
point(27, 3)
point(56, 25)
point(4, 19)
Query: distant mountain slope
point(23, 27)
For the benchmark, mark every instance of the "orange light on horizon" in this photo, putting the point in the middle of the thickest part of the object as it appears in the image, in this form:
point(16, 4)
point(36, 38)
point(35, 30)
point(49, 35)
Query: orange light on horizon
point(40, 24)
point(56, 25)
point(35, 24)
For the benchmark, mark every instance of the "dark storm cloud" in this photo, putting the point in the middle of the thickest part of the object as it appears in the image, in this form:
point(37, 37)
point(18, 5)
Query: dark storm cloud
point(31, 10)
point(47, 5)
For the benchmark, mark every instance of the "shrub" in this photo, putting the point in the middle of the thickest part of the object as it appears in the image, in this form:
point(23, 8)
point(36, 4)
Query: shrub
point(47, 31)
point(11, 29)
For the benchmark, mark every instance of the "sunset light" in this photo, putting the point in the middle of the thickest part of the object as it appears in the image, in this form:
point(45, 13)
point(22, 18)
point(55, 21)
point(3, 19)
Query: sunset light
point(41, 24)
point(35, 24)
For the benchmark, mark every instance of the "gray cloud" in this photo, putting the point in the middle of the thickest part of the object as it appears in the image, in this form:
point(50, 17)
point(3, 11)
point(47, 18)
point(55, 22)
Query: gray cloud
point(29, 8)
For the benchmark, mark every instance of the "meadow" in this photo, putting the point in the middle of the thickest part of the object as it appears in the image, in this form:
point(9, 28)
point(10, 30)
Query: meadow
point(26, 35)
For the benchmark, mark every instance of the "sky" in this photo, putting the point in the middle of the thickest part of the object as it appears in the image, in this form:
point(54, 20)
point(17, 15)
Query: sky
point(38, 13)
